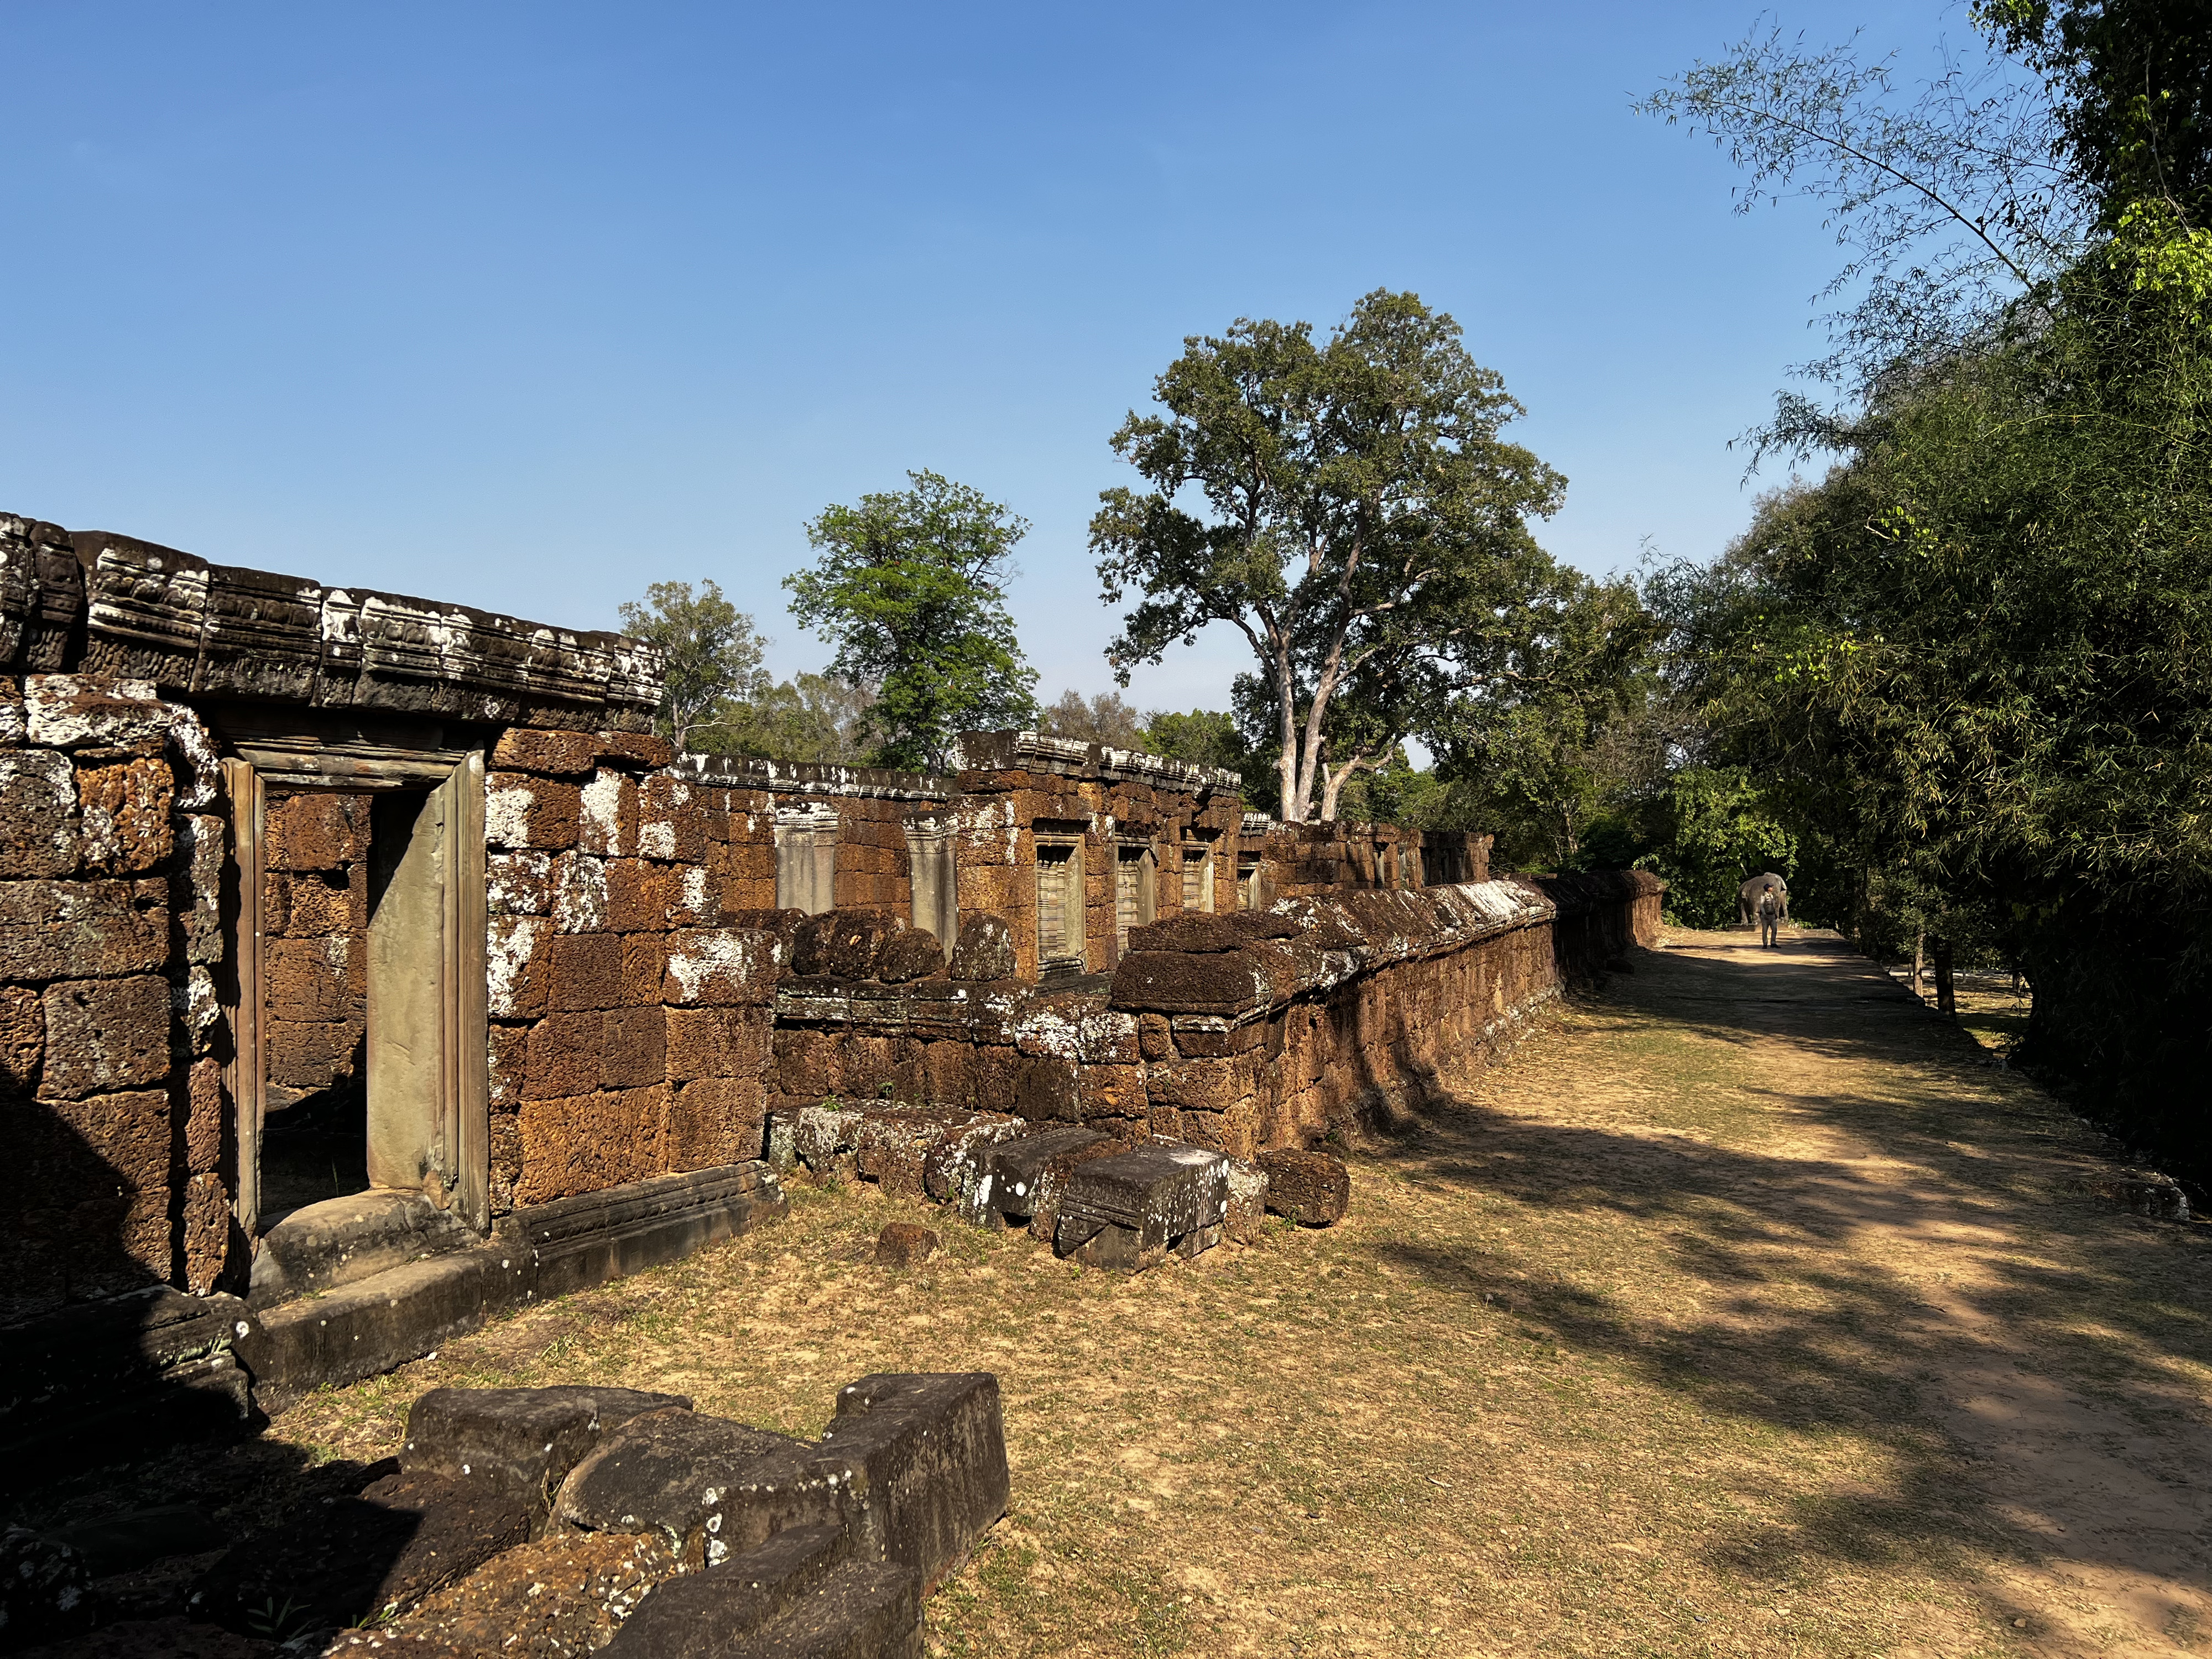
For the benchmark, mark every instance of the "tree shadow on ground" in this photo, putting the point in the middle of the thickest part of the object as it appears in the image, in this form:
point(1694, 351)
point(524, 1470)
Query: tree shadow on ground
point(1824, 1307)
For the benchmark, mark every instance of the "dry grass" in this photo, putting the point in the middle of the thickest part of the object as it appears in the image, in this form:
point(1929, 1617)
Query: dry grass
point(1737, 1314)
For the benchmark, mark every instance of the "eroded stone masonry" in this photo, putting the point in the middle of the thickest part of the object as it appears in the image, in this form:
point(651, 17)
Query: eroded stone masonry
point(368, 966)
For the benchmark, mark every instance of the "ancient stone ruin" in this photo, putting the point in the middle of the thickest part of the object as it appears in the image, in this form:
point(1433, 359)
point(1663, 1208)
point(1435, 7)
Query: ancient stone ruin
point(368, 967)
point(541, 1522)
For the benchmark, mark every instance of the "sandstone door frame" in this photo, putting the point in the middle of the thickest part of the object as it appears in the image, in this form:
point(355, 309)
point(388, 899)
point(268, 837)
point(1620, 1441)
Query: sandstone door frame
point(430, 1120)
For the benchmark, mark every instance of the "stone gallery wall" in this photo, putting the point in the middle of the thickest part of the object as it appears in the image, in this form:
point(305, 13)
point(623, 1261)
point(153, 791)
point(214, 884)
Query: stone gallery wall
point(1242, 1032)
point(1303, 861)
point(111, 1096)
point(629, 1022)
point(999, 815)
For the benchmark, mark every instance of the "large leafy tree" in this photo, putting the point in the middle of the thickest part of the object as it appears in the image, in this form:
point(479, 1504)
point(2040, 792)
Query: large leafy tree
point(712, 651)
point(1350, 507)
point(910, 585)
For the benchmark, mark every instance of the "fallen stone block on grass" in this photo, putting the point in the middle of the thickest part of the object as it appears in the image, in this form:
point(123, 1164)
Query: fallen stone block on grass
point(904, 1244)
point(1133, 1209)
point(522, 1442)
point(1312, 1189)
point(1029, 1173)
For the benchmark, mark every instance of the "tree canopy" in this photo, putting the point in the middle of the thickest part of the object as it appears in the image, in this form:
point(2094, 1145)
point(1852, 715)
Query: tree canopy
point(713, 654)
point(1968, 668)
point(909, 584)
point(1363, 526)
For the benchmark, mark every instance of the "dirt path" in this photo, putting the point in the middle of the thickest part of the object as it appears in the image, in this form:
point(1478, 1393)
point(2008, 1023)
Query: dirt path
point(1744, 1311)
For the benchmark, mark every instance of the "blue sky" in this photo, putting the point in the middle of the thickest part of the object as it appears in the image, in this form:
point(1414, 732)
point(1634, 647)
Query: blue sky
point(528, 306)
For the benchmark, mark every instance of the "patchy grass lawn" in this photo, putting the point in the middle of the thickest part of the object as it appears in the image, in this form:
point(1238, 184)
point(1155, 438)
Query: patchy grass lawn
point(1737, 1314)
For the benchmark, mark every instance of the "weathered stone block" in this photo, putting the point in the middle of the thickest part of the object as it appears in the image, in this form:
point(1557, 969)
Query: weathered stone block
point(985, 948)
point(588, 1143)
point(1199, 1085)
point(671, 821)
point(587, 972)
point(956, 1169)
point(518, 966)
point(206, 1109)
point(713, 1121)
point(1171, 982)
point(1160, 1196)
point(720, 967)
point(712, 1487)
point(123, 1192)
point(521, 811)
point(561, 754)
point(890, 1145)
point(930, 1457)
point(844, 943)
point(508, 1050)
point(563, 1056)
point(607, 822)
point(38, 814)
point(580, 893)
point(81, 929)
point(195, 890)
point(905, 1244)
point(314, 830)
point(518, 1441)
point(634, 1052)
point(124, 817)
point(1029, 1172)
point(1244, 1219)
point(70, 711)
point(22, 1038)
point(308, 979)
point(519, 883)
point(1313, 1188)
point(907, 957)
point(105, 1035)
point(639, 895)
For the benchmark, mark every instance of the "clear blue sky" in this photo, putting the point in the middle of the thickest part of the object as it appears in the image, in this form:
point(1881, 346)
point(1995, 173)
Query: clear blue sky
point(528, 306)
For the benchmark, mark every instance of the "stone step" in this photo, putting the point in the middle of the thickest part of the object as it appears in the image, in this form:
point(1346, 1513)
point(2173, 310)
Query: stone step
point(344, 1241)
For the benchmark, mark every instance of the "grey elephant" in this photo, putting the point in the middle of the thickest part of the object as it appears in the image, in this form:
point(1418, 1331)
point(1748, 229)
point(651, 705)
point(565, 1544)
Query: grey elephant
point(1747, 902)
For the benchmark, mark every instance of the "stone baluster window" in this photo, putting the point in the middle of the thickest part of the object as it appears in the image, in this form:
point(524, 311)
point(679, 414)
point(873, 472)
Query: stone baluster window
point(806, 858)
point(1059, 900)
point(936, 904)
point(1135, 891)
point(1198, 874)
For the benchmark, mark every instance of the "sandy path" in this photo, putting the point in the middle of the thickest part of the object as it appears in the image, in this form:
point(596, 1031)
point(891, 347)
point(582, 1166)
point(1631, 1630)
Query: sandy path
point(2081, 1433)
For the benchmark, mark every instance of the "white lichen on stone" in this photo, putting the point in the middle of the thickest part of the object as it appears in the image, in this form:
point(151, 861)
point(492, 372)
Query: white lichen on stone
point(507, 815)
point(580, 893)
point(602, 813)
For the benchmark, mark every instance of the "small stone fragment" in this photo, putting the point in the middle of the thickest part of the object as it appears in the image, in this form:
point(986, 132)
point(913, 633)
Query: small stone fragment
point(1312, 1189)
point(905, 1244)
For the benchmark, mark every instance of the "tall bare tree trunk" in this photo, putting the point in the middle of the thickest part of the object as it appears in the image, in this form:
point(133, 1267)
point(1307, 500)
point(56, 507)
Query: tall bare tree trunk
point(1947, 996)
point(1919, 957)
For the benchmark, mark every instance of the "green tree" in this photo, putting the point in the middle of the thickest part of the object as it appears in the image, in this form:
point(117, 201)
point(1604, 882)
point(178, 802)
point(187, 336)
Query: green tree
point(712, 651)
point(810, 717)
point(911, 587)
point(1365, 527)
point(1105, 717)
point(1969, 666)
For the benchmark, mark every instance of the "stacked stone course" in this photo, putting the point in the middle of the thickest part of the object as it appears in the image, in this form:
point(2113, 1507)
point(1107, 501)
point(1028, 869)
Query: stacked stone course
point(110, 1086)
point(629, 1022)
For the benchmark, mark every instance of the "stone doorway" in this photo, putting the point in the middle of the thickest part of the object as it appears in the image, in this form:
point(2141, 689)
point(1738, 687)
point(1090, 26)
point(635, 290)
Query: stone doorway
point(356, 917)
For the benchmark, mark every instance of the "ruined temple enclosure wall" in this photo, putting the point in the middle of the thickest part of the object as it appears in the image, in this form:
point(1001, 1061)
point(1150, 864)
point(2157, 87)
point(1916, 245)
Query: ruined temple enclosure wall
point(1239, 1032)
point(1306, 860)
point(629, 1024)
point(111, 1099)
